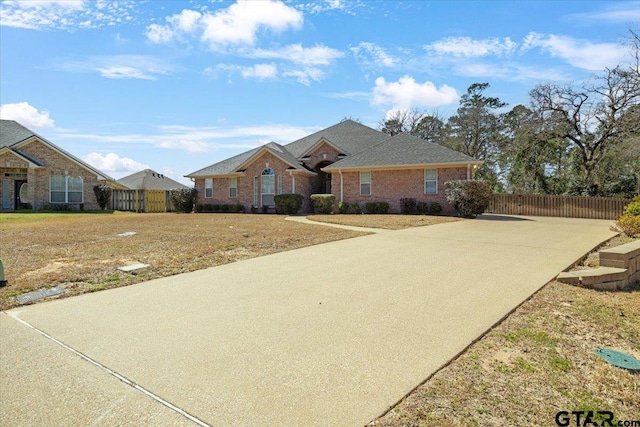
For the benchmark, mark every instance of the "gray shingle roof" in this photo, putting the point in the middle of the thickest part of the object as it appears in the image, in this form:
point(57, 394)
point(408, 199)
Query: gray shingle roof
point(232, 164)
point(150, 180)
point(352, 137)
point(402, 150)
point(12, 133)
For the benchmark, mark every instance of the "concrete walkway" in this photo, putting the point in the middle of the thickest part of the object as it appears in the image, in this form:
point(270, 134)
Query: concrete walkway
point(329, 335)
point(305, 220)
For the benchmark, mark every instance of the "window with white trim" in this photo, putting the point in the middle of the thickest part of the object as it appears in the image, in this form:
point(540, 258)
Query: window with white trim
point(365, 183)
point(268, 187)
point(431, 181)
point(233, 188)
point(208, 188)
point(66, 189)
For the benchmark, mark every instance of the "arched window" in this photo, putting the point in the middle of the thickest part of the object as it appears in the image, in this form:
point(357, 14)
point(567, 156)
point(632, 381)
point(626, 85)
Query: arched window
point(268, 187)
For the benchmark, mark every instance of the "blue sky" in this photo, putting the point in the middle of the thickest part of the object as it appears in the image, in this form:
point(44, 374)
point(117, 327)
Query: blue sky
point(179, 85)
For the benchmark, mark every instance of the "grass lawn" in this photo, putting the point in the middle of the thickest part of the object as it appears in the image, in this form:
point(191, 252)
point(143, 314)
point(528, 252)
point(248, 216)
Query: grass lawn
point(81, 252)
point(390, 222)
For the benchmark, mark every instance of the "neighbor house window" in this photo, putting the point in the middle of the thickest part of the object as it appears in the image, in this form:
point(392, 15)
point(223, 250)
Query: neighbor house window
point(208, 187)
point(233, 188)
point(430, 181)
point(66, 189)
point(365, 183)
point(268, 187)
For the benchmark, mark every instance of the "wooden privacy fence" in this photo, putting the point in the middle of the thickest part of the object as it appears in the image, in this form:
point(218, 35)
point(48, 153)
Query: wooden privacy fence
point(141, 200)
point(561, 206)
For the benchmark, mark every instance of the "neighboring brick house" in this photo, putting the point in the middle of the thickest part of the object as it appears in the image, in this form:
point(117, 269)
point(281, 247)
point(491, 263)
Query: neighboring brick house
point(36, 173)
point(354, 162)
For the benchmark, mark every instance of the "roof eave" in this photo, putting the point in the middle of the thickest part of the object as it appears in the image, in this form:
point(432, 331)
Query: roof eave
point(441, 165)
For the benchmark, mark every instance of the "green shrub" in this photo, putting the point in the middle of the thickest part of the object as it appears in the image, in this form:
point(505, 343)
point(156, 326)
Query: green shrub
point(355, 208)
point(288, 204)
point(183, 200)
point(629, 224)
point(435, 208)
point(376, 207)
point(103, 195)
point(199, 208)
point(408, 206)
point(469, 198)
point(343, 207)
point(238, 208)
point(633, 208)
point(422, 208)
point(323, 203)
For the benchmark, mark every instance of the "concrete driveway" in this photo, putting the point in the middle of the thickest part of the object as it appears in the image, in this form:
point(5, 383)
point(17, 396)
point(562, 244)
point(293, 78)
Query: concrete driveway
point(329, 335)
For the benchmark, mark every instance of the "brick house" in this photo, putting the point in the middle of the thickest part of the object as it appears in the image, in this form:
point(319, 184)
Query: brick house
point(355, 163)
point(37, 173)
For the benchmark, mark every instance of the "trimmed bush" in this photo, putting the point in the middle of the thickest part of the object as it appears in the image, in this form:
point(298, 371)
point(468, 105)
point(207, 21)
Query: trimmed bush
point(633, 208)
point(422, 208)
point(408, 206)
point(376, 207)
point(355, 207)
point(103, 195)
point(343, 207)
point(323, 203)
point(469, 198)
point(183, 200)
point(288, 204)
point(629, 224)
point(435, 208)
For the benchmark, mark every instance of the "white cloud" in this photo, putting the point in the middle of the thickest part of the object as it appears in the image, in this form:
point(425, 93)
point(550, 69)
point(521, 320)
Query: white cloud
point(578, 53)
point(406, 93)
point(260, 71)
point(184, 144)
point(236, 25)
point(317, 55)
point(305, 76)
point(26, 114)
point(468, 47)
point(159, 33)
point(143, 67)
point(379, 57)
point(510, 72)
point(66, 15)
point(111, 162)
point(614, 12)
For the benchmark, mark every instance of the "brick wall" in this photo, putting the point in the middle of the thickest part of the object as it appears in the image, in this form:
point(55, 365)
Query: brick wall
point(245, 183)
point(392, 185)
point(54, 164)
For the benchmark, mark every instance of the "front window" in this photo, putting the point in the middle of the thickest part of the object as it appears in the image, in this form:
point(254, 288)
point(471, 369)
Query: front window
point(430, 181)
point(208, 187)
point(365, 183)
point(233, 188)
point(66, 189)
point(268, 187)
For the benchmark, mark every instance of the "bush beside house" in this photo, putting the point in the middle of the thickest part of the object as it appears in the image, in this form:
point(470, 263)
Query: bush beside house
point(469, 198)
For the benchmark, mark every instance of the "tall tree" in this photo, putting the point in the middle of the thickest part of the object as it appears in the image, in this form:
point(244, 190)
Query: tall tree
point(594, 118)
point(476, 129)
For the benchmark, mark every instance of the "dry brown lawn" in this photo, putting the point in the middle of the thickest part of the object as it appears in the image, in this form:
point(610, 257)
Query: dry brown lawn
point(81, 252)
point(389, 222)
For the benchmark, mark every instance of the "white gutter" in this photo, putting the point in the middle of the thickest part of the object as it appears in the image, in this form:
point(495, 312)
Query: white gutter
point(293, 182)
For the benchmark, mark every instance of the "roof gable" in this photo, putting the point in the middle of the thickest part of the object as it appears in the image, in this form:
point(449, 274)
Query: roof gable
point(22, 156)
point(348, 137)
point(14, 135)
